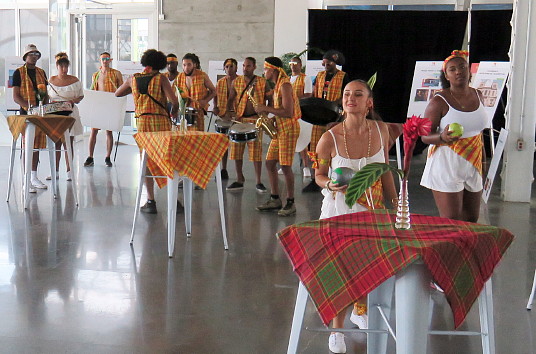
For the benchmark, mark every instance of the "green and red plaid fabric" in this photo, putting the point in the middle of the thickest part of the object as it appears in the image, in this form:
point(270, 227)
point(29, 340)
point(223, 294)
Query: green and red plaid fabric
point(193, 154)
point(54, 126)
point(343, 258)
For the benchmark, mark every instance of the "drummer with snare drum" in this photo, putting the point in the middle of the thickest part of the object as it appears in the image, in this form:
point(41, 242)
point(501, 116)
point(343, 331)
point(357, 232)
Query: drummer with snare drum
point(223, 88)
point(245, 113)
point(329, 85)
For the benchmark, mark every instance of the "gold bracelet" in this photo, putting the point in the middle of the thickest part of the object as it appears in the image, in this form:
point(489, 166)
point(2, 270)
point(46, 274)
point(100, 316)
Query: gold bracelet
point(327, 186)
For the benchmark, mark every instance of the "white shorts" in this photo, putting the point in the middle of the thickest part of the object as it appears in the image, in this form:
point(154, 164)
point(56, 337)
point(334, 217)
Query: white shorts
point(448, 172)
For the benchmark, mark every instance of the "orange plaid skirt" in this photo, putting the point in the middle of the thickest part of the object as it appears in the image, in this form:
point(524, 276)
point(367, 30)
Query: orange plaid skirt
point(153, 123)
point(282, 148)
point(254, 147)
point(316, 134)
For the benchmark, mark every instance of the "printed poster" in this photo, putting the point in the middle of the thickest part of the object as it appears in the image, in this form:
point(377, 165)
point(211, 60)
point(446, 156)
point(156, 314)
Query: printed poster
point(12, 64)
point(425, 84)
point(129, 68)
point(490, 79)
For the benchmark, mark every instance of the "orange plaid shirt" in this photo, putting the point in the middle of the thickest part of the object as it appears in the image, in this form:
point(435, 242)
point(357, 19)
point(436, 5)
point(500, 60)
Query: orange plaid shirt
point(111, 82)
point(198, 89)
point(259, 93)
point(27, 90)
point(335, 86)
point(144, 104)
point(468, 148)
point(299, 85)
point(222, 92)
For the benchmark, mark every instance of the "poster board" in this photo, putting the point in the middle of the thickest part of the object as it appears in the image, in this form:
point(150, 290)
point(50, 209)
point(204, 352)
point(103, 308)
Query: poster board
point(216, 72)
point(12, 64)
point(499, 148)
point(490, 80)
point(129, 68)
point(425, 84)
point(100, 109)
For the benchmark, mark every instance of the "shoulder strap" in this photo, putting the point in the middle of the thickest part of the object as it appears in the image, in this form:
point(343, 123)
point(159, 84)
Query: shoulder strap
point(245, 88)
point(379, 132)
point(334, 142)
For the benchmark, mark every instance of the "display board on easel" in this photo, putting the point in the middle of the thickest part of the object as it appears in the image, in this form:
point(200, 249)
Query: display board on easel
point(425, 84)
point(128, 69)
point(12, 64)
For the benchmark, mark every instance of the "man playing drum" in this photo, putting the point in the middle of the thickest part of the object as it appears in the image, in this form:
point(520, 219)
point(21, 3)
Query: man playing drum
point(195, 85)
point(245, 113)
point(329, 85)
point(108, 80)
point(223, 87)
point(286, 109)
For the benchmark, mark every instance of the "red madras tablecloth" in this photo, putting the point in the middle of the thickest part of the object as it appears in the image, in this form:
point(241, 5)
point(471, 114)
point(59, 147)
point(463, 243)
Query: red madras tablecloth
point(54, 126)
point(193, 154)
point(345, 257)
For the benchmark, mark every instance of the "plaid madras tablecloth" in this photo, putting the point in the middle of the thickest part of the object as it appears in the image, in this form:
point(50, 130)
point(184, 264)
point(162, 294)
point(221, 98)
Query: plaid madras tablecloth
point(193, 154)
point(54, 126)
point(345, 257)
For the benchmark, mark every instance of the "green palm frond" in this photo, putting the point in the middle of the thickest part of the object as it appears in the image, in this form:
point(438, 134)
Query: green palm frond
point(365, 178)
point(372, 80)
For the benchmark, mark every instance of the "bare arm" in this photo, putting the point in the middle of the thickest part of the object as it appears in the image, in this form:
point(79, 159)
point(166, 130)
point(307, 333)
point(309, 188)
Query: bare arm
point(125, 88)
point(211, 92)
point(325, 150)
point(436, 109)
point(287, 109)
point(166, 87)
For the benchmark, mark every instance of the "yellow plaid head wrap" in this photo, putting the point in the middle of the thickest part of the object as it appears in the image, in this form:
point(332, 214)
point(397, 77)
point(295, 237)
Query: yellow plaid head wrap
point(271, 66)
point(456, 54)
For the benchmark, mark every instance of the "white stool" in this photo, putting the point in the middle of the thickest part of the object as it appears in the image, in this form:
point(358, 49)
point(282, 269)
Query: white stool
point(172, 190)
point(28, 149)
point(412, 319)
point(531, 296)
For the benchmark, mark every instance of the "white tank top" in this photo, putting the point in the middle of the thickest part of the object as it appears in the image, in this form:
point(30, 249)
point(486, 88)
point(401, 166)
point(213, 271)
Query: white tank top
point(473, 122)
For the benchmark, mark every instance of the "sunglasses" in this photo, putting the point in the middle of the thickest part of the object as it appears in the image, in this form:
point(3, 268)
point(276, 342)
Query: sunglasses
point(106, 59)
point(34, 54)
point(293, 63)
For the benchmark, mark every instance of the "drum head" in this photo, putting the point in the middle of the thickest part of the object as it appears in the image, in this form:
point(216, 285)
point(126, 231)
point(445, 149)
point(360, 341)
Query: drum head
point(318, 111)
point(243, 128)
point(223, 123)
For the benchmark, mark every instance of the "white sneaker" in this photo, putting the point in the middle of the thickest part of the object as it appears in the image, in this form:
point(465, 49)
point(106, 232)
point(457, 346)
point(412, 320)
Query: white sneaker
point(306, 172)
point(36, 183)
point(359, 321)
point(32, 190)
point(280, 171)
point(49, 178)
point(336, 343)
point(69, 176)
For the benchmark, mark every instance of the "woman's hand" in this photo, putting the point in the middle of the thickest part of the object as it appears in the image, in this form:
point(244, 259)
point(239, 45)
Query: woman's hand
point(334, 187)
point(446, 136)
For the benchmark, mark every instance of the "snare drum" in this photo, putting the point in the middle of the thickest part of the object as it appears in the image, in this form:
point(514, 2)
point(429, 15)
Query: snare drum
point(243, 133)
point(190, 114)
point(222, 126)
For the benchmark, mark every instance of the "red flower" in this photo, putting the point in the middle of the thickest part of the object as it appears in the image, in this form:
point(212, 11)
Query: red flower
point(412, 129)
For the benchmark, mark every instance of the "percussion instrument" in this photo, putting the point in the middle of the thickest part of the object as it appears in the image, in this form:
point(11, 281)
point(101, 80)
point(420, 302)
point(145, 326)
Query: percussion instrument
point(243, 133)
point(222, 126)
point(52, 108)
point(190, 114)
point(318, 111)
point(342, 176)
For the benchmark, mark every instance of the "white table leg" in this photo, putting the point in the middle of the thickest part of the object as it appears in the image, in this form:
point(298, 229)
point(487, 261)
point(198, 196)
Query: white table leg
point(172, 190)
point(70, 156)
point(51, 147)
point(222, 206)
point(485, 307)
point(11, 162)
point(297, 319)
point(533, 291)
point(143, 166)
point(187, 190)
point(381, 296)
point(412, 297)
point(29, 138)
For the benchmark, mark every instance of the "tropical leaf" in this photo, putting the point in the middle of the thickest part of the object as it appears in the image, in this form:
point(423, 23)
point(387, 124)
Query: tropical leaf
point(372, 80)
point(365, 178)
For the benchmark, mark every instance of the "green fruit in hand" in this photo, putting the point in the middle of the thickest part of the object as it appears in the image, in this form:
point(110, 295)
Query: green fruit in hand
point(456, 129)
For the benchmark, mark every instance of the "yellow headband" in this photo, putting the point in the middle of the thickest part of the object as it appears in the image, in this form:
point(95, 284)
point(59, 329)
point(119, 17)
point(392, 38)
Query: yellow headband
point(455, 54)
point(171, 59)
point(271, 66)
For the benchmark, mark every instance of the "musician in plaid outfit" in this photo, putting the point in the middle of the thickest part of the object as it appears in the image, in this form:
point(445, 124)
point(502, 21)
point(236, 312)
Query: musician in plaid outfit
point(223, 88)
point(328, 85)
point(286, 109)
point(453, 168)
point(26, 81)
point(245, 113)
point(196, 87)
point(151, 91)
point(108, 80)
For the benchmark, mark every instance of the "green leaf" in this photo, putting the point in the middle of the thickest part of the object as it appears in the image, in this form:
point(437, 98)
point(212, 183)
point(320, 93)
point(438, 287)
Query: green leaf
point(372, 80)
point(365, 178)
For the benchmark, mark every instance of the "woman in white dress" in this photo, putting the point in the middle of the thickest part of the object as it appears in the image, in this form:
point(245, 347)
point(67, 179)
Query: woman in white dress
point(66, 88)
point(361, 139)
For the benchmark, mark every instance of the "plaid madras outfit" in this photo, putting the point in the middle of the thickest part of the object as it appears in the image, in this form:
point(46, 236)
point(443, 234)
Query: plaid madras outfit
point(343, 258)
point(332, 93)
point(288, 129)
point(259, 94)
point(196, 92)
point(299, 85)
point(112, 81)
point(468, 148)
point(222, 93)
point(29, 93)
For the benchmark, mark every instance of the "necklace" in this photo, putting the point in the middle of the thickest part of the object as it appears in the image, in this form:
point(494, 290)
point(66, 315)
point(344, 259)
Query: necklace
point(346, 145)
point(459, 104)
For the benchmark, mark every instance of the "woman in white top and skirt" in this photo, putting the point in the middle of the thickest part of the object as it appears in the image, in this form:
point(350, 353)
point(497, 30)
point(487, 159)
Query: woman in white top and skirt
point(358, 141)
point(66, 88)
point(453, 169)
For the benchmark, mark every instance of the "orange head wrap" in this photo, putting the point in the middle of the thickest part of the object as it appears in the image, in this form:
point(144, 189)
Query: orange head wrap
point(271, 66)
point(456, 54)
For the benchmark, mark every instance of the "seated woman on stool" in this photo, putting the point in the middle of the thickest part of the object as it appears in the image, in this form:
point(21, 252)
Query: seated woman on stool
point(361, 139)
point(453, 169)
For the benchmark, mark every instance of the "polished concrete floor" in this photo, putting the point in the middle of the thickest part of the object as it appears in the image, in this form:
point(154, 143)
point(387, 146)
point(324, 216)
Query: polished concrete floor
point(71, 283)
